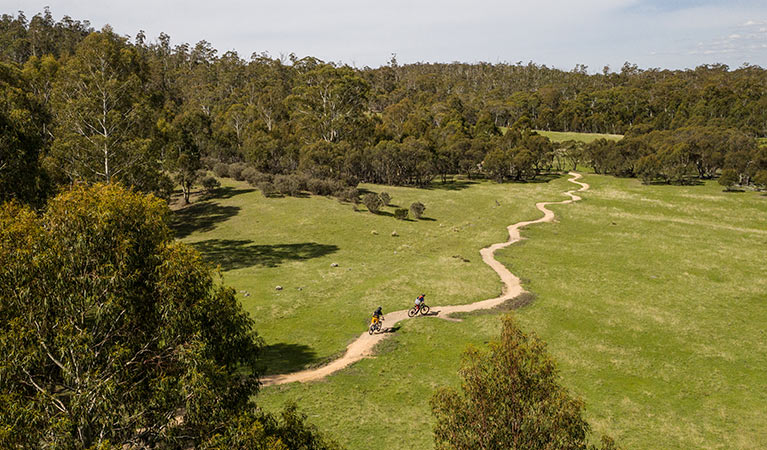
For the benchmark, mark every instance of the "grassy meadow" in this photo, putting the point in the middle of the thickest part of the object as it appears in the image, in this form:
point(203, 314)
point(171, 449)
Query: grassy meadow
point(651, 299)
point(262, 243)
point(561, 136)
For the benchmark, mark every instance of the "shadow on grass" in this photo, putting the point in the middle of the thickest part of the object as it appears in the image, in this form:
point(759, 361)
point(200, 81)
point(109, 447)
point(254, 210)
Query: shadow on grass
point(229, 192)
point(238, 254)
point(453, 185)
point(200, 217)
point(283, 357)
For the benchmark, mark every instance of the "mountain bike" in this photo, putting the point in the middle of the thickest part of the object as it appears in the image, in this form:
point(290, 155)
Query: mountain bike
point(422, 309)
point(375, 326)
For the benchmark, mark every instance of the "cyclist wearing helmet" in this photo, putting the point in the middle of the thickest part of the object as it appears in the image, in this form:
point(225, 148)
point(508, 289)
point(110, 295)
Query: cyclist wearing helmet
point(377, 315)
point(419, 301)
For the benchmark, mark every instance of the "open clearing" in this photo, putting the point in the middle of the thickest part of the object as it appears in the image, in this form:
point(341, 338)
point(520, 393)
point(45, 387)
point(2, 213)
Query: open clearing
point(654, 315)
point(512, 288)
point(561, 136)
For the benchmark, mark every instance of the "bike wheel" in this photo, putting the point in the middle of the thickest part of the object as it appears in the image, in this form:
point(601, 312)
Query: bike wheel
point(412, 312)
point(424, 310)
point(372, 329)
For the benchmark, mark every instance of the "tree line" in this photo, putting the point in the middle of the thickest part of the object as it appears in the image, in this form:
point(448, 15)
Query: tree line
point(86, 105)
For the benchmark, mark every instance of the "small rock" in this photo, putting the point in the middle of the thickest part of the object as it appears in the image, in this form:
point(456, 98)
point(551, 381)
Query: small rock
point(247, 294)
point(334, 265)
point(394, 233)
point(300, 288)
point(279, 288)
point(374, 232)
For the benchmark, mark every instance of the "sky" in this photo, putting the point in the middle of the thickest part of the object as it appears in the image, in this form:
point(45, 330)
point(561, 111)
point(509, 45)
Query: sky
point(673, 34)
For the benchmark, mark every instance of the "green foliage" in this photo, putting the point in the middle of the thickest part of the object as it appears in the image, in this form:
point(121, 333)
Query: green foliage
point(236, 169)
point(400, 213)
point(417, 209)
point(22, 142)
point(385, 198)
point(728, 178)
point(510, 398)
point(760, 179)
point(372, 202)
point(103, 116)
point(210, 184)
point(113, 332)
point(221, 170)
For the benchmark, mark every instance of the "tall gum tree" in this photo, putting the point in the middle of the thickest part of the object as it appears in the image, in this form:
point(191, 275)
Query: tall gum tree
point(103, 115)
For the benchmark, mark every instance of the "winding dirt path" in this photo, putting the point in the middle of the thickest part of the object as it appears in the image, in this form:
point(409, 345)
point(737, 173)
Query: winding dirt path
point(363, 345)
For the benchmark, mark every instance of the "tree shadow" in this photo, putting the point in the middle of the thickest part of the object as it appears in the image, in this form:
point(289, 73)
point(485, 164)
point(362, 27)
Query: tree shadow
point(283, 357)
point(454, 185)
point(229, 192)
point(200, 217)
point(238, 254)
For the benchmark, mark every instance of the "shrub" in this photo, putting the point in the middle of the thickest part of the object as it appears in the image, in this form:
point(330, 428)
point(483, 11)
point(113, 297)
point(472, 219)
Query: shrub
point(208, 162)
point(348, 194)
point(516, 383)
point(210, 183)
point(248, 173)
point(728, 178)
point(385, 198)
point(318, 187)
point(760, 179)
point(417, 209)
point(221, 170)
point(287, 184)
point(400, 213)
point(372, 202)
point(235, 171)
point(267, 188)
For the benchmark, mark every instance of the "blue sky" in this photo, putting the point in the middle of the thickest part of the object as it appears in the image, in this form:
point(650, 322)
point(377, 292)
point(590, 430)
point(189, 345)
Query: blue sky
point(558, 33)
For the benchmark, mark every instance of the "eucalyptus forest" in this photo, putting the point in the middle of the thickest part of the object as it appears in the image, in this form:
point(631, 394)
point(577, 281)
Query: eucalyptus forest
point(99, 131)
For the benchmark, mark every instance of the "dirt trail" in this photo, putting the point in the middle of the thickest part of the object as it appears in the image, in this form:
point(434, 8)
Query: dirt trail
point(363, 345)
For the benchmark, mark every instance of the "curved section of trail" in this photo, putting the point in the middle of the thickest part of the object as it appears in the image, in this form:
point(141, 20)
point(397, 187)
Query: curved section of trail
point(363, 345)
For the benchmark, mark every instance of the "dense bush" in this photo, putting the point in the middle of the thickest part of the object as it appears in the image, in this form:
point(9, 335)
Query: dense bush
point(287, 184)
point(400, 213)
point(267, 188)
point(210, 183)
point(728, 178)
point(510, 398)
point(372, 202)
point(417, 209)
point(348, 194)
point(385, 198)
point(221, 170)
point(235, 171)
point(760, 179)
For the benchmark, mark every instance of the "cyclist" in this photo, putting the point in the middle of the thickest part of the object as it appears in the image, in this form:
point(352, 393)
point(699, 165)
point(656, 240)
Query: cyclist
point(420, 301)
point(377, 315)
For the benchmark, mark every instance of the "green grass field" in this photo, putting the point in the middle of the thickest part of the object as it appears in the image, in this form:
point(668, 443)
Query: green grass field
point(291, 242)
point(651, 302)
point(652, 299)
point(561, 136)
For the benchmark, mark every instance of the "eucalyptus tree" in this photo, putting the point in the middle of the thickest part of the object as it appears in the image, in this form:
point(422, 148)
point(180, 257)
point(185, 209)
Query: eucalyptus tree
point(103, 115)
